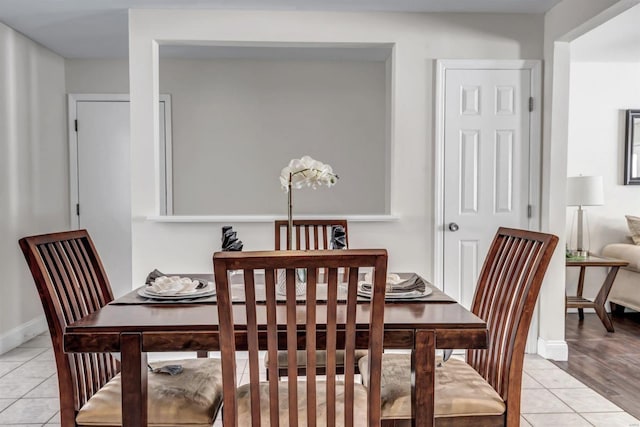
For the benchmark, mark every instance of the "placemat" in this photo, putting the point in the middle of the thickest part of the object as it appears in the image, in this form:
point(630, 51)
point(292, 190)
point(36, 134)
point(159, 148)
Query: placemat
point(237, 295)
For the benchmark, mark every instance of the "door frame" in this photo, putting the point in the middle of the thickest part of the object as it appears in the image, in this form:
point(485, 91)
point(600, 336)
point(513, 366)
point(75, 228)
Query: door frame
point(165, 152)
point(535, 154)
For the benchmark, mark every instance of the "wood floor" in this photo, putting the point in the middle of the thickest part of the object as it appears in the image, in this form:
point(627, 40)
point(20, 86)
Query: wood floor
point(609, 363)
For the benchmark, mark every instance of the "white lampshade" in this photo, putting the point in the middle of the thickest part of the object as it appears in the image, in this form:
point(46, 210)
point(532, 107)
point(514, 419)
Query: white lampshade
point(585, 191)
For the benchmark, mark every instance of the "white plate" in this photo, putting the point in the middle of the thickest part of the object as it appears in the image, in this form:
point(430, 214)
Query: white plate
point(207, 291)
point(398, 295)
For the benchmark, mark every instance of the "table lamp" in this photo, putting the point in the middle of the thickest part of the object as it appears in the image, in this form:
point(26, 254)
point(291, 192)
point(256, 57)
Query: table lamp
point(583, 191)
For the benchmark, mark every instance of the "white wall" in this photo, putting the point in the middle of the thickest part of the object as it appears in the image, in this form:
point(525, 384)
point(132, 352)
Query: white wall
point(564, 23)
point(97, 75)
point(226, 123)
point(419, 39)
point(237, 122)
point(33, 173)
point(599, 95)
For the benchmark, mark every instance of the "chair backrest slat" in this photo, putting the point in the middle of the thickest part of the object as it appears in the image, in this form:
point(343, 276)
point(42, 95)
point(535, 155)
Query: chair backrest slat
point(272, 345)
point(505, 297)
point(332, 328)
point(252, 341)
point(292, 346)
point(300, 325)
point(311, 296)
point(349, 347)
point(72, 284)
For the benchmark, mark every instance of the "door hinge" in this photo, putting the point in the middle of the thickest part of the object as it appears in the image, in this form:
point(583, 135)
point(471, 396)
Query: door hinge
point(75, 123)
point(530, 103)
point(78, 209)
point(529, 211)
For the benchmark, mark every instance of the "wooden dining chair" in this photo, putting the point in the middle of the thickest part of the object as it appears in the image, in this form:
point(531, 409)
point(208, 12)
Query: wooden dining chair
point(311, 325)
point(310, 234)
point(72, 284)
point(485, 391)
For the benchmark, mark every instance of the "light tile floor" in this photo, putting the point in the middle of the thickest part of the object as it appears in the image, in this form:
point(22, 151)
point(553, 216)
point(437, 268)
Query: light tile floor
point(550, 396)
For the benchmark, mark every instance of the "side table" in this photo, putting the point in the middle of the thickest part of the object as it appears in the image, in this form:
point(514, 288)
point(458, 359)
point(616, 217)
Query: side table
point(578, 301)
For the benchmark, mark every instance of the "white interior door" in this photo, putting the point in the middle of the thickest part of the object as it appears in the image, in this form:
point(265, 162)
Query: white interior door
point(100, 174)
point(486, 167)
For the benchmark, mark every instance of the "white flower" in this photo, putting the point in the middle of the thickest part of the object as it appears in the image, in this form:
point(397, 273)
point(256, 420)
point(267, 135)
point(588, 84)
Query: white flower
point(307, 172)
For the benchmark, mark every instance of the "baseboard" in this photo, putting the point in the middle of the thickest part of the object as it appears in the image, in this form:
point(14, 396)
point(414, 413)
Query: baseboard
point(22, 333)
point(553, 349)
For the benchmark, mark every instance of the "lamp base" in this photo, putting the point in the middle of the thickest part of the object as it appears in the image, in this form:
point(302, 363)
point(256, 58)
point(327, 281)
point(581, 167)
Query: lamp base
point(577, 253)
point(582, 236)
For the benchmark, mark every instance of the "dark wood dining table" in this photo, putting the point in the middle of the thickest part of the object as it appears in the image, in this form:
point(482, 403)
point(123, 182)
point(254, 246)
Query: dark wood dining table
point(134, 326)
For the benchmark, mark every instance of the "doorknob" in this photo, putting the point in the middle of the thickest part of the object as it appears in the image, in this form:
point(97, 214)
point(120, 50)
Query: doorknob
point(453, 226)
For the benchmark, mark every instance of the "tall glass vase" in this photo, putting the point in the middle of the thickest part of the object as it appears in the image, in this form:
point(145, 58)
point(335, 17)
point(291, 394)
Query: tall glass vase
point(301, 273)
point(301, 282)
point(290, 217)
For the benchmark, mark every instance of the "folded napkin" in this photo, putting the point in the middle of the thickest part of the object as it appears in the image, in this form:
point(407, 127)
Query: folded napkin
point(175, 285)
point(169, 285)
point(166, 369)
point(395, 284)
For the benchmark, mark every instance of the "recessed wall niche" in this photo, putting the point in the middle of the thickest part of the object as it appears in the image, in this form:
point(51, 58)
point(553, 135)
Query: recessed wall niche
point(240, 113)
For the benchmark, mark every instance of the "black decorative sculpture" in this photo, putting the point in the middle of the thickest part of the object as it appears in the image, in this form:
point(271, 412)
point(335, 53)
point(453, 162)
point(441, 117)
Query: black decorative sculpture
point(338, 237)
point(230, 241)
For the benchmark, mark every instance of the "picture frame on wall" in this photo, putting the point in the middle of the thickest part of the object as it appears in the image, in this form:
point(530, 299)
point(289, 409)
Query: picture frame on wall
point(632, 148)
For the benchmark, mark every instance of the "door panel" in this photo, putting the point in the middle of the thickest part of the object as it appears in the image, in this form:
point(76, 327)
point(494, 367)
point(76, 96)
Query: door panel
point(101, 177)
point(469, 172)
point(104, 185)
point(486, 164)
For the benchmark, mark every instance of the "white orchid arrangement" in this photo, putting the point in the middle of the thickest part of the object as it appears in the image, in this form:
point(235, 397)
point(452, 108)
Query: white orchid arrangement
point(304, 172)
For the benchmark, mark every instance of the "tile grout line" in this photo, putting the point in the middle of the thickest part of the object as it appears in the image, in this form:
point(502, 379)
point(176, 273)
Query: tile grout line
point(591, 412)
point(554, 413)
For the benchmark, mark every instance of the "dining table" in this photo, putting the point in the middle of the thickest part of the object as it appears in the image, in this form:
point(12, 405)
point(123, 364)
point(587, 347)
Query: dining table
point(134, 325)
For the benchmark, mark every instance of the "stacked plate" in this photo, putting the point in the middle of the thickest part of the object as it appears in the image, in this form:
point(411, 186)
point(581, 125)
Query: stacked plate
point(176, 287)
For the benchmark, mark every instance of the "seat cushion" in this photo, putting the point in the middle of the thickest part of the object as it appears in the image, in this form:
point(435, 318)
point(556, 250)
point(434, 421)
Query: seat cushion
point(191, 397)
point(459, 389)
point(359, 404)
point(321, 358)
